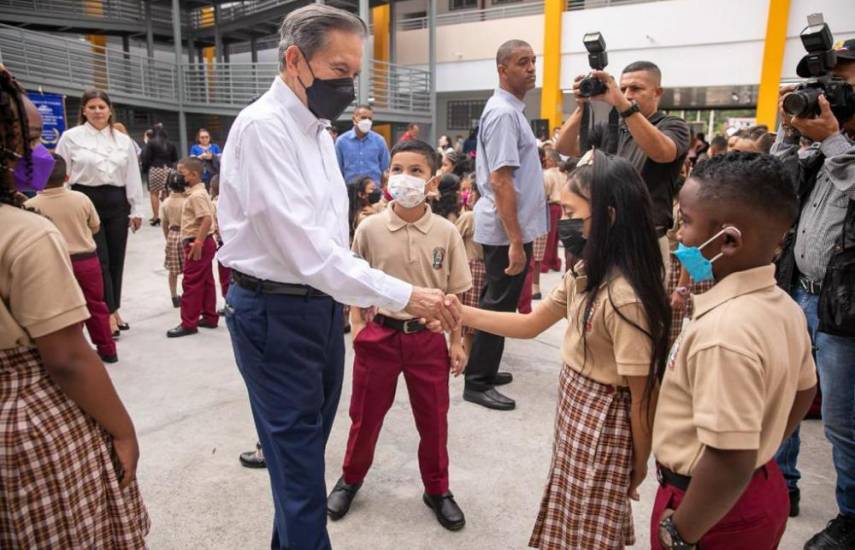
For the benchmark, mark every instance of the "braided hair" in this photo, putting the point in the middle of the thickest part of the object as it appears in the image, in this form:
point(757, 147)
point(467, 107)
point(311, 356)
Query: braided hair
point(13, 134)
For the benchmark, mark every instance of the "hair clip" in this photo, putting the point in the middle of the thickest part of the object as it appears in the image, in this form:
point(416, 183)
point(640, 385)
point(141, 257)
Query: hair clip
point(587, 159)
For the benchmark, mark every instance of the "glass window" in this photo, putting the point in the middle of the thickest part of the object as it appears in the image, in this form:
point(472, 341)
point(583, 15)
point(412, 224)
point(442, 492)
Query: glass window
point(464, 114)
point(462, 4)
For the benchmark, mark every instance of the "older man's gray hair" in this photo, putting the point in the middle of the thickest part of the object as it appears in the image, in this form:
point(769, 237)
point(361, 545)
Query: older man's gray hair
point(506, 50)
point(307, 28)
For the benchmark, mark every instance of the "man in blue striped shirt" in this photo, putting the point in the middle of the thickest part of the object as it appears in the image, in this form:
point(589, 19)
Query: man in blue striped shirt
point(360, 151)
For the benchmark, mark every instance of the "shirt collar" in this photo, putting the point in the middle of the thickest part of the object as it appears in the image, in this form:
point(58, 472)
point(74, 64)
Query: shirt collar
point(53, 191)
point(511, 98)
point(733, 286)
point(355, 136)
point(194, 188)
point(395, 222)
point(301, 114)
point(93, 130)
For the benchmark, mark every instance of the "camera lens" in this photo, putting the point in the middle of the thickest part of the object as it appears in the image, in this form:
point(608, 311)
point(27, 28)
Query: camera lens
point(802, 102)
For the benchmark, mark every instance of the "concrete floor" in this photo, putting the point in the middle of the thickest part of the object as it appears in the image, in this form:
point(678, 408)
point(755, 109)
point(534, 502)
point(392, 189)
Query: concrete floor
point(192, 416)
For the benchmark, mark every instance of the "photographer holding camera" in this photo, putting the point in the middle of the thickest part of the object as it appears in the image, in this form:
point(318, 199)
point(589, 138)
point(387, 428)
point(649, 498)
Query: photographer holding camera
point(817, 265)
point(655, 143)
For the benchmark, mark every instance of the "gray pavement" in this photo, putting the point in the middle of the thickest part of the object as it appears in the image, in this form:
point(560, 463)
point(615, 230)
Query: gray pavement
point(192, 416)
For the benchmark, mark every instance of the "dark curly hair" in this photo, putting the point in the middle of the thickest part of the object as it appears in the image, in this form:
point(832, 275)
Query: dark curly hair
point(448, 202)
point(13, 121)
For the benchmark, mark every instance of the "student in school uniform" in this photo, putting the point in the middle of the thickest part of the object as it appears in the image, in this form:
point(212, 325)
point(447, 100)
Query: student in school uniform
point(224, 274)
point(199, 299)
point(76, 218)
point(545, 257)
point(475, 255)
point(741, 375)
point(613, 351)
point(410, 242)
point(170, 217)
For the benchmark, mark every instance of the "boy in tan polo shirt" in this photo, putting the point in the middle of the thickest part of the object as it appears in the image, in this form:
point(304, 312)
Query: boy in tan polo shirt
point(741, 375)
point(76, 218)
point(406, 241)
point(199, 297)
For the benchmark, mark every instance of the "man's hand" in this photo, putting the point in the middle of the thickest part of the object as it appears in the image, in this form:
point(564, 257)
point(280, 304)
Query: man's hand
point(580, 99)
point(820, 128)
point(135, 224)
point(195, 253)
point(516, 259)
point(458, 357)
point(431, 304)
point(613, 96)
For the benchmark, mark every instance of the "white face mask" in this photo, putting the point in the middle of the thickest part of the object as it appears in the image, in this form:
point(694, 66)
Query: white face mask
point(364, 125)
point(408, 191)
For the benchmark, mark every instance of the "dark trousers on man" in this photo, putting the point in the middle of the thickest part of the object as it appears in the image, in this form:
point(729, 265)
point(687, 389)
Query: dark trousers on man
point(551, 259)
point(501, 293)
point(112, 205)
point(290, 352)
point(87, 271)
point(199, 298)
point(381, 355)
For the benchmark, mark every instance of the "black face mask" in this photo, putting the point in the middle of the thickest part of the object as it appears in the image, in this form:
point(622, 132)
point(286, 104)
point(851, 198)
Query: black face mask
point(570, 233)
point(328, 98)
point(375, 196)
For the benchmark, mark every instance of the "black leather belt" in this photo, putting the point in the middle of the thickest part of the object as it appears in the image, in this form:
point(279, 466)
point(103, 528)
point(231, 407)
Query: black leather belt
point(810, 286)
point(667, 477)
point(410, 326)
point(272, 287)
point(84, 256)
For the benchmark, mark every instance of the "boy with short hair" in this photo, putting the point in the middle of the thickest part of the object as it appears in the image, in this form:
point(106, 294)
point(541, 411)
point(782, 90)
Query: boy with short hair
point(741, 375)
point(407, 241)
point(199, 299)
point(76, 218)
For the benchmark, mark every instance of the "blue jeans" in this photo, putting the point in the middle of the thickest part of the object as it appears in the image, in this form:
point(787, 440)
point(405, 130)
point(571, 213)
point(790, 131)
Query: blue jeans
point(835, 362)
point(290, 352)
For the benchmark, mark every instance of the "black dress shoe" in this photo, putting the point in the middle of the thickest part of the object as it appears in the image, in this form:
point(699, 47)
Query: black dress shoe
point(116, 334)
point(176, 301)
point(503, 378)
point(448, 513)
point(154, 222)
point(490, 399)
point(253, 459)
point(338, 503)
point(795, 497)
point(180, 331)
point(537, 296)
point(207, 324)
point(839, 534)
point(108, 358)
point(124, 326)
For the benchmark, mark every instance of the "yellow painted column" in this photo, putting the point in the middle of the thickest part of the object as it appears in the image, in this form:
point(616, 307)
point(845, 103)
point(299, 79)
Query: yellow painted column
point(773, 59)
point(95, 8)
point(381, 18)
point(550, 97)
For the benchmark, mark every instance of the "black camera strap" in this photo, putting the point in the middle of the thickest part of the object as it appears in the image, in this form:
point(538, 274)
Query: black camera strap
point(585, 129)
point(611, 144)
point(609, 140)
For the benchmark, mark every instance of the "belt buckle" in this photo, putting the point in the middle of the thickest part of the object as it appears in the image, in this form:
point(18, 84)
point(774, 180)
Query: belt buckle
point(409, 323)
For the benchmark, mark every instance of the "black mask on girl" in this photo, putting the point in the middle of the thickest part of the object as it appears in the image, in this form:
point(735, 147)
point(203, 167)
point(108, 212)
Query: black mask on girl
point(375, 196)
point(570, 233)
point(328, 98)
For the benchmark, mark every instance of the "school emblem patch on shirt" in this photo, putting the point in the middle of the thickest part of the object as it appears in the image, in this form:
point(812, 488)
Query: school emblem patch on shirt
point(438, 257)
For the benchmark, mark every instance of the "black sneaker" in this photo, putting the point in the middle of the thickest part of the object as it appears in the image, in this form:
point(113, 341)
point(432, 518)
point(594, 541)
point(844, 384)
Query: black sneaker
point(176, 301)
point(839, 534)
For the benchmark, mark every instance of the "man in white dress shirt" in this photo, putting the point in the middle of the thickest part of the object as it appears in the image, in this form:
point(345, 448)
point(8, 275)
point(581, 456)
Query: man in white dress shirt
point(283, 218)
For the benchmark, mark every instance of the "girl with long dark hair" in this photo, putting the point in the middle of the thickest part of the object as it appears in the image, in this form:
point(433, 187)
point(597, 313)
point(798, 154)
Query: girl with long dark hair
point(364, 195)
point(447, 204)
point(614, 351)
point(157, 160)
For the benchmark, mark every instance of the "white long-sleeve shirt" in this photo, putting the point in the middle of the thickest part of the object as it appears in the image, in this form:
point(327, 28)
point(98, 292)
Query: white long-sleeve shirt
point(103, 157)
point(282, 209)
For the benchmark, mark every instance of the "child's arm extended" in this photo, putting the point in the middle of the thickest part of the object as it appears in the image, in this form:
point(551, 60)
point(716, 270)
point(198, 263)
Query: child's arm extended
point(458, 355)
point(512, 325)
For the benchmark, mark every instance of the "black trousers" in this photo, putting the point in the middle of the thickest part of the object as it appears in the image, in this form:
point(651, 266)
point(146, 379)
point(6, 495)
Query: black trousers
point(112, 205)
point(501, 293)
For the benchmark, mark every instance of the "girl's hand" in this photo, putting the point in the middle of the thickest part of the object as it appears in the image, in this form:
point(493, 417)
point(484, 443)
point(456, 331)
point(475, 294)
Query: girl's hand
point(128, 451)
point(458, 357)
point(639, 472)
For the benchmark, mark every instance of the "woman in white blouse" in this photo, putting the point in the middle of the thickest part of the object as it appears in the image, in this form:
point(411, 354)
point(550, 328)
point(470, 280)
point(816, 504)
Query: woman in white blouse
point(102, 164)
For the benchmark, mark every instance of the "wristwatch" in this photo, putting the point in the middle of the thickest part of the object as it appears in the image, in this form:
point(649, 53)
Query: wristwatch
point(670, 537)
point(634, 108)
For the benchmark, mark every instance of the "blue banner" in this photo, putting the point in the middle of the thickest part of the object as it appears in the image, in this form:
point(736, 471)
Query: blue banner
point(52, 109)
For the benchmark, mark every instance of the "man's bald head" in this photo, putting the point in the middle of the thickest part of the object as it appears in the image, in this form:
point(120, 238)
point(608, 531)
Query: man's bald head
point(506, 50)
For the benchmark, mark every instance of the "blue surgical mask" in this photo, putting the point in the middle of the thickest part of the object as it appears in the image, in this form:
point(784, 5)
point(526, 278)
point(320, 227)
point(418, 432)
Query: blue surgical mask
point(693, 261)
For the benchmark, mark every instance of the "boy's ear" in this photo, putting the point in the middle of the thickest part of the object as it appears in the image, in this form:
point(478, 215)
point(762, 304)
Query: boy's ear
point(733, 241)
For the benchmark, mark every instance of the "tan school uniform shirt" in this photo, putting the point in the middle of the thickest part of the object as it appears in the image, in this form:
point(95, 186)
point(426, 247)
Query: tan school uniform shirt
point(604, 347)
point(171, 208)
point(428, 253)
point(553, 181)
point(72, 213)
point(733, 373)
point(38, 292)
point(197, 205)
point(466, 227)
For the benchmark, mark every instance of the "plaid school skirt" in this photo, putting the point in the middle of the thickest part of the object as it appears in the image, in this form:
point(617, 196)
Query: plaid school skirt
point(472, 297)
point(585, 504)
point(157, 179)
point(58, 483)
point(174, 252)
point(539, 248)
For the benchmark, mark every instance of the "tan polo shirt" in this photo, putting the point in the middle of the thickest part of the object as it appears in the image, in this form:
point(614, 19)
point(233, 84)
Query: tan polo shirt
point(428, 253)
point(553, 182)
point(733, 373)
point(38, 292)
point(197, 205)
point(611, 348)
point(72, 213)
point(466, 226)
point(171, 208)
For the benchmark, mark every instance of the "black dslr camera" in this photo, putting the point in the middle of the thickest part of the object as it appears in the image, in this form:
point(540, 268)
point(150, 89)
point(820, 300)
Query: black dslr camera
point(597, 59)
point(816, 66)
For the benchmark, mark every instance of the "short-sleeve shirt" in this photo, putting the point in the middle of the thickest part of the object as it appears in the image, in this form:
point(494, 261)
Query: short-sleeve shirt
point(360, 157)
point(428, 253)
point(197, 205)
point(72, 213)
point(171, 208)
point(733, 373)
point(553, 181)
point(505, 139)
point(605, 346)
point(38, 292)
point(466, 226)
point(660, 178)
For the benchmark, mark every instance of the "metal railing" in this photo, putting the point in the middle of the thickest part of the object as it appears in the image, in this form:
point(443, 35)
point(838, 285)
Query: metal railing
point(225, 84)
point(591, 4)
point(474, 16)
point(399, 88)
point(118, 11)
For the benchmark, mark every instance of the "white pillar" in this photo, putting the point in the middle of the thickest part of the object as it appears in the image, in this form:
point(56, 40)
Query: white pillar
point(432, 66)
point(364, 90)
point(176, 36)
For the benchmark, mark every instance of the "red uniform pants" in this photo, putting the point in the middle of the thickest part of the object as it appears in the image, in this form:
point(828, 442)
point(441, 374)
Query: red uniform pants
point(756, 522)
point(87, 271)
point(225, 275)
point(551, 259)
point(381, 355)
point(199, 298)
